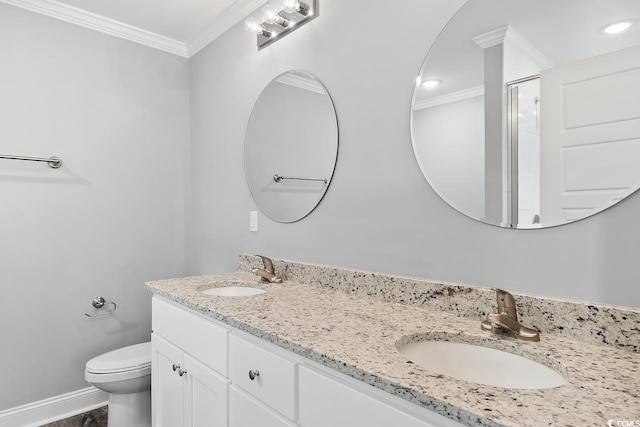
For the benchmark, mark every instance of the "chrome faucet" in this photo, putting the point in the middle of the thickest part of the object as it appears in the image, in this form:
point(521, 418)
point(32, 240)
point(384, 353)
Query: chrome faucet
point(506, 319)
point(268, 274)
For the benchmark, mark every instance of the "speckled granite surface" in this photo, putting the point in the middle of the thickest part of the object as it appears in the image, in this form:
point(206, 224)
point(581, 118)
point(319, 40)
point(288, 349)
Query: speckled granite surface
point(591, 323)
point(357, 335)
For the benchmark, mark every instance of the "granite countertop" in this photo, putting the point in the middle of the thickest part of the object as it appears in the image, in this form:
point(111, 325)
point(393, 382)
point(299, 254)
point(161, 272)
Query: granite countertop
point(357, 335)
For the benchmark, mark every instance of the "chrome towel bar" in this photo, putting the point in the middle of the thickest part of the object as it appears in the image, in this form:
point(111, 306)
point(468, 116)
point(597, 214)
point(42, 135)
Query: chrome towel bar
point(278, 178)
point(53, 161)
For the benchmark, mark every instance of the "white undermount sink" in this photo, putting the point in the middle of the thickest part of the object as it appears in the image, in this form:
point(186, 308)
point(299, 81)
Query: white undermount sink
point(481, 365)
point(240, 289)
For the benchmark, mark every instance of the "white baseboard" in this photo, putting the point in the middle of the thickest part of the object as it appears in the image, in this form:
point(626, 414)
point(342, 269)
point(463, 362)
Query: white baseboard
point(54, 408)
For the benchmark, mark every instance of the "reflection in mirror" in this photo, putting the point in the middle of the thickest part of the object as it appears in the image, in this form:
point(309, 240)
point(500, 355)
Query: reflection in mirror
point(527, 114)
point(291, 146)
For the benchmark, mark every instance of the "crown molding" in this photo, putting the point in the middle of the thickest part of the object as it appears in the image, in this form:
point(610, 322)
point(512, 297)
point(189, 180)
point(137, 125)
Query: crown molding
point(450, 97)
point(223, 22)
point(507, 34)
point(54, 9)
point(99, 23)
point(301, 82)
point(491, 38)
point(527, 49)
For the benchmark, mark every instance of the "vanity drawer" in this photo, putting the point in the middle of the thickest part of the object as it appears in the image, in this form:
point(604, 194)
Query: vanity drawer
point(275, 384)
point(199, 337)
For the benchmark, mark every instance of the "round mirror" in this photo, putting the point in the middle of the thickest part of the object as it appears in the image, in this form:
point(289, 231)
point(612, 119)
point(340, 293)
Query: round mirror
point(291, 146)
point(527, 114)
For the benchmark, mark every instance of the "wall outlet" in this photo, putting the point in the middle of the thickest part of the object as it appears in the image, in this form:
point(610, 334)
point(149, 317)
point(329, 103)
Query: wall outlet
point(253, 221)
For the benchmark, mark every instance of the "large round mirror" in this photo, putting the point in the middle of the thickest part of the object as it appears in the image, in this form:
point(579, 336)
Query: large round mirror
point(291, 146)
point(526, 114)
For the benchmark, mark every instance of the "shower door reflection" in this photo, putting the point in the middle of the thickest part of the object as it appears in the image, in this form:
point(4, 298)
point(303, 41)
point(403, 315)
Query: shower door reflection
point(523, 120)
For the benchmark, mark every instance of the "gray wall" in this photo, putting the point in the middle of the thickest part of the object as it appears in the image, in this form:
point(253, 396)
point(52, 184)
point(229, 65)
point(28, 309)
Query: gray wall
point(379, 212)
point(111, 218)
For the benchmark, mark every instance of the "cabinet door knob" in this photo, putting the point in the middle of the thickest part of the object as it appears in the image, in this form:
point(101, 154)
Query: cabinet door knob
point(175, 367)
point(253, 374)
point(181, 371)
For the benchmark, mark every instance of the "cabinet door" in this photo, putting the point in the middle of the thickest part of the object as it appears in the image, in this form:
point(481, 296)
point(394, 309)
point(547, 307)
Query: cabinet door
point(167, 400)
point(244, 411)
point(206, 394)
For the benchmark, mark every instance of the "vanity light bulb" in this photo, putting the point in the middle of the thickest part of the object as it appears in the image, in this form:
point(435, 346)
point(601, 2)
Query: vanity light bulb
point(289, 6)
point(270, 14)
point(252, 25)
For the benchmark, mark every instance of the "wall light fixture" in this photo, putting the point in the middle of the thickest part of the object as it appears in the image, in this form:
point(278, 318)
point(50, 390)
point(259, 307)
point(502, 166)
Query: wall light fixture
point(279, 18)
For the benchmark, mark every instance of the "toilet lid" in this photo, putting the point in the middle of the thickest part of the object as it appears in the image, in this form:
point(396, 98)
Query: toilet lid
point(124, 359)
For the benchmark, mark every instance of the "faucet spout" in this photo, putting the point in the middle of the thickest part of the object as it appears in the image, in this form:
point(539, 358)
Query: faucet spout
point(507, 319)
point(268, 274)
point(505, 322)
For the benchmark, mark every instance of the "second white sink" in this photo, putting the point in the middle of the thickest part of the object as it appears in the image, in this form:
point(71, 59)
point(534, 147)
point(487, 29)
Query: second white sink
point(234, 289)
point(481, 365)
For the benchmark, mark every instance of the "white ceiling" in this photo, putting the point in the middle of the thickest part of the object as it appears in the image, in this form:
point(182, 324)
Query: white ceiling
point(181, 27)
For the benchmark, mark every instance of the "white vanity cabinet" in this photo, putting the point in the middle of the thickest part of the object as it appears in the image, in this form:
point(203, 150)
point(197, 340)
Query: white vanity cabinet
point(237, 380)
point(188, 384)
point(185, 392)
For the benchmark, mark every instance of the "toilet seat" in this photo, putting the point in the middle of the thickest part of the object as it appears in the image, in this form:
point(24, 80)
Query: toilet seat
point(121, 364)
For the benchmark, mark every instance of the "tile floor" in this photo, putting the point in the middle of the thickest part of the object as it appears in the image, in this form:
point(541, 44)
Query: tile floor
point(95, 418)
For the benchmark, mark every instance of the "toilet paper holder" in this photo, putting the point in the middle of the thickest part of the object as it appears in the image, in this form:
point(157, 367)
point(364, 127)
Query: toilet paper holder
point(98, 303)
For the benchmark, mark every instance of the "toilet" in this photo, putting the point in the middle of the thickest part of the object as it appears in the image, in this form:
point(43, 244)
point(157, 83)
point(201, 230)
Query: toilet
point(125, 374)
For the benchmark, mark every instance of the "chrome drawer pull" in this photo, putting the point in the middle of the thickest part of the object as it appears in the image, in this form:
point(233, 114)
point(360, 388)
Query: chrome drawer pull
point(181, 372)
point(175, 367)
point(253, 374)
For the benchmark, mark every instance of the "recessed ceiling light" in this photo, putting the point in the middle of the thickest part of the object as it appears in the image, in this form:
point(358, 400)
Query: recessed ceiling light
point(618, 27)
point(430, 84)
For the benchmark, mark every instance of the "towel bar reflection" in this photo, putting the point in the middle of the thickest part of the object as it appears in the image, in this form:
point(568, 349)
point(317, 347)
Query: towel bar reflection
point(53, 161)
point(278, 178)
point(100, 302)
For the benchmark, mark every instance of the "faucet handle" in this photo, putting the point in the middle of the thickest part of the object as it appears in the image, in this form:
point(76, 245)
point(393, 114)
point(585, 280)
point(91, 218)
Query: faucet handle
point(506, 303)
point(268, 264)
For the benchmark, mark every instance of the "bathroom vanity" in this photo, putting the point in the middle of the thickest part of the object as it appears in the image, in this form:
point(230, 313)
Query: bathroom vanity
point(263, 384)
point(322, 349)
